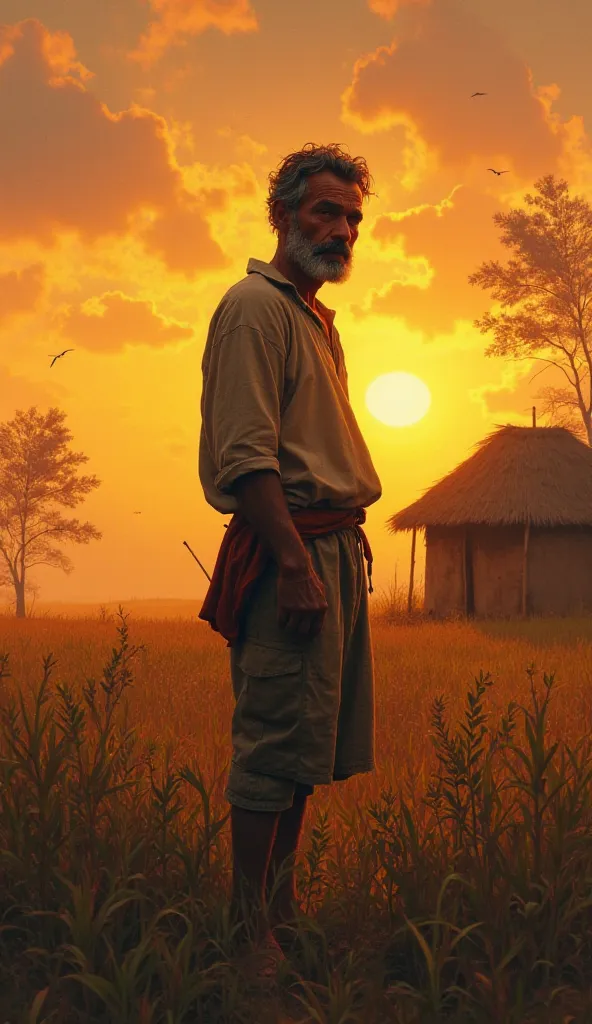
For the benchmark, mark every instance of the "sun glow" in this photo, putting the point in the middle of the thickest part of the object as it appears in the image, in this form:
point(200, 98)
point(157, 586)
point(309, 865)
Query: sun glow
point(398, 399)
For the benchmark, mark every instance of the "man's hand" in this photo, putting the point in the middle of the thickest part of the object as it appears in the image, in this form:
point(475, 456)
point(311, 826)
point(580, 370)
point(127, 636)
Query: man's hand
point(302, 605)
point(301, 594)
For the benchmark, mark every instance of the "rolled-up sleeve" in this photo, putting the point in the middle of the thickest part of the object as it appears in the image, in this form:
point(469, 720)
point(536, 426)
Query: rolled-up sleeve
point(240, 404)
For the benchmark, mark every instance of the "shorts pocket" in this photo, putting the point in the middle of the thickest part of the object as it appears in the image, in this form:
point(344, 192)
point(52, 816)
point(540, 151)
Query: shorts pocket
point(257, 659)
point(273, 691)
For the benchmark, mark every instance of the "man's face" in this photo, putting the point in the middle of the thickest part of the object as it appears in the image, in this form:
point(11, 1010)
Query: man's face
point(322, 232)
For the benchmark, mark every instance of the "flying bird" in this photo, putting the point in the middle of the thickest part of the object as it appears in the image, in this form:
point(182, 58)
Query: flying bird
point(137, 513)
point(59, 356)
point(496, 172)
point(478, 94)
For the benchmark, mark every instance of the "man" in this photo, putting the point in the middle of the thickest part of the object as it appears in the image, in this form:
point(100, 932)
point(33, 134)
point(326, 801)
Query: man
point(280, 448)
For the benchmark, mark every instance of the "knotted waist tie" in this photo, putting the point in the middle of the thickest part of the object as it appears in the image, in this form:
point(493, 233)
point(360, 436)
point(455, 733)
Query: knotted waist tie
point(364, 544)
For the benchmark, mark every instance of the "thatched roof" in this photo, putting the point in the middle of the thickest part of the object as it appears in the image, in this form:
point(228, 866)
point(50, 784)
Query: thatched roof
point(542, 475)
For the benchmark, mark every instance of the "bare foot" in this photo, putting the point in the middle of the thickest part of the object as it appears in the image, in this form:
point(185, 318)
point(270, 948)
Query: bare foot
point(260, 961)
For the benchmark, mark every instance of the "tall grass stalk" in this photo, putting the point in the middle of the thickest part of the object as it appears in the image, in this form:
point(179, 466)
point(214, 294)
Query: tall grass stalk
point(466, 899)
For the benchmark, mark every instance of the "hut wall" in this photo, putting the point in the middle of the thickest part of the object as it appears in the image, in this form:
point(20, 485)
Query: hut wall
point(444, 587)
point(560, 570)
point(497, 569)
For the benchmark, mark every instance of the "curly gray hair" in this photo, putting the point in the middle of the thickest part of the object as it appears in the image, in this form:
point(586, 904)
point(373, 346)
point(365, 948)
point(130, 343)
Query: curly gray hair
point(289, 182)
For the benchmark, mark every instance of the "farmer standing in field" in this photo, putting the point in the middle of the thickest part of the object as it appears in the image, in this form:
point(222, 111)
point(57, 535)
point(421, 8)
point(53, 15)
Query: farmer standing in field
point(281, 449)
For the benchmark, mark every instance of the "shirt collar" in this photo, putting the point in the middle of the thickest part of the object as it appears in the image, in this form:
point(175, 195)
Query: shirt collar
point(272, 273)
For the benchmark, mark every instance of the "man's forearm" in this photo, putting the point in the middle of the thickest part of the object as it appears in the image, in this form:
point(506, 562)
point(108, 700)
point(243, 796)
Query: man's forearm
point(263, 503)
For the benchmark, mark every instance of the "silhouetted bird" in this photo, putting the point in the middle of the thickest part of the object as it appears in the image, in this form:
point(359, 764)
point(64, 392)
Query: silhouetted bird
point(59, 356)
point(478, 94)
point(137, 513)
point(496, 172)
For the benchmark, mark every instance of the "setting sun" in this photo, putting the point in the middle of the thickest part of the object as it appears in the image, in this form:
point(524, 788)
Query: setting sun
point(398, 399)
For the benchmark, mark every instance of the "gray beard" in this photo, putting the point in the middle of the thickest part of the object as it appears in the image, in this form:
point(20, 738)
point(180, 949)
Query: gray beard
point(301, 252)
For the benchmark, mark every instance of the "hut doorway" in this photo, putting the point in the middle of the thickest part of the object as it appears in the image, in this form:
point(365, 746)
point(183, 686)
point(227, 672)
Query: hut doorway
point(469, 576)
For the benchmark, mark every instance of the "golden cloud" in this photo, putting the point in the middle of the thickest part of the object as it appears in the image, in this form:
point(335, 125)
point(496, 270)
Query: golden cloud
point(522, 386)
point(177, 19)
point(109, 322)
point(388, 8)
point(68, 164)
point(218, 184)
point(513, 396)
point(20, 291)
point(423, 81)
point(451, 238)
point(183, 240)
point(244, 144)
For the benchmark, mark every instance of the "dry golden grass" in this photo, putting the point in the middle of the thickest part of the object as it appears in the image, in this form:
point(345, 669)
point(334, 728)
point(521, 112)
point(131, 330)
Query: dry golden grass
point(181, 698)
point(182, 694)
point(140, 608)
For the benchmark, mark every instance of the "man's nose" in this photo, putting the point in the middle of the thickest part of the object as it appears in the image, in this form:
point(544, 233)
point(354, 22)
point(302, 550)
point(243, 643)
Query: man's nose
point(342, 230)
point(342, 238)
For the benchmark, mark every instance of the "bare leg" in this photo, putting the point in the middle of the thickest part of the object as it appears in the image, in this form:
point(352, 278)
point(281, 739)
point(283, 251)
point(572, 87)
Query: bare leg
point(253, 834)
point(284, 853)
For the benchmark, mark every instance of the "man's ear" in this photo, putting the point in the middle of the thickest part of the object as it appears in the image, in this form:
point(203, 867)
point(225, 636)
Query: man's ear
point(281, 216)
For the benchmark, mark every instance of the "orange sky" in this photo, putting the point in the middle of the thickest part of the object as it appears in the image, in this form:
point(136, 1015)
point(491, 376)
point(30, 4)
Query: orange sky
point(136, 139)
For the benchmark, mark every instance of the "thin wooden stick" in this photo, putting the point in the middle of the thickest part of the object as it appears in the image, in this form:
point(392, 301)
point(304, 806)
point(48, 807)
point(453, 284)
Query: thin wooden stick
point(198, 561)
point(410, 594)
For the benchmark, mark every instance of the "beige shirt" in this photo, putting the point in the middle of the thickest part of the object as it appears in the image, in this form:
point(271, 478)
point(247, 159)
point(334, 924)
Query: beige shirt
point(275, 397)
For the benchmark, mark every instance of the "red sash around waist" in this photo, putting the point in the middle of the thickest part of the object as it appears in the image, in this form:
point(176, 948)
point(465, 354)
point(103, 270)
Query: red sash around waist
point(242, 559)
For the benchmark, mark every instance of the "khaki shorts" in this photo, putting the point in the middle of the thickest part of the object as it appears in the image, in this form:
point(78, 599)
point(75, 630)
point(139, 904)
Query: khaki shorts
point(304, 712)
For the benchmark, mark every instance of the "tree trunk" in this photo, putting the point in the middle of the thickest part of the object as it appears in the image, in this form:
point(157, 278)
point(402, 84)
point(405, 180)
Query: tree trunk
point(19, 589)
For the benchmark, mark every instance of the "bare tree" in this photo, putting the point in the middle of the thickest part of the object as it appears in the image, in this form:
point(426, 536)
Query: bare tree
point(38, 472)
point(31, 590)
point(548, 281)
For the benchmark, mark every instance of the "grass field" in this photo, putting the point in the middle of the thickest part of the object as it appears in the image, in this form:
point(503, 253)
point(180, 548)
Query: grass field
point(453, 883)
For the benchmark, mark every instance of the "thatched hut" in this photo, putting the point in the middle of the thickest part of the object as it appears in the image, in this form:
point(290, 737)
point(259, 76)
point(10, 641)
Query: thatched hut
point(509, 531)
